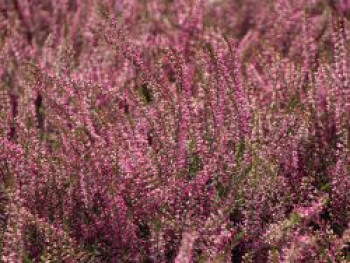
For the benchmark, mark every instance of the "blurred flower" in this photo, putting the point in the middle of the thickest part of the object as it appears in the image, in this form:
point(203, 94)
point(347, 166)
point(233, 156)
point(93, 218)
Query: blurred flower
point(341, 6)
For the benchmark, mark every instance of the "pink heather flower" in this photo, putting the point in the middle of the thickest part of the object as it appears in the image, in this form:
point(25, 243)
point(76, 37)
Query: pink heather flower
point(174, 131)
point(344, 6)
point(186, 248)
point(310, 211)
point(341, 6)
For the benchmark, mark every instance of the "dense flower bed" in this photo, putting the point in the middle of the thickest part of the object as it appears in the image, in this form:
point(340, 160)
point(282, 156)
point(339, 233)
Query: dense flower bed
point(174, 131)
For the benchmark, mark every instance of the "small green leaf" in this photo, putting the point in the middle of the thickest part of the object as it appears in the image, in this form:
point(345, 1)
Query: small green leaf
point(26, 259)
point(293, 103)
point(240, 150)
point(146, 93)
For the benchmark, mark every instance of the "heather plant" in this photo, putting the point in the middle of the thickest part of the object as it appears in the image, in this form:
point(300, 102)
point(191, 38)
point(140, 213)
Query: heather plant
point(174, 131)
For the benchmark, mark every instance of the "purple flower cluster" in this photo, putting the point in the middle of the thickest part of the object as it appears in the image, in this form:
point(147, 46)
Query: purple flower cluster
point(174, 131)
